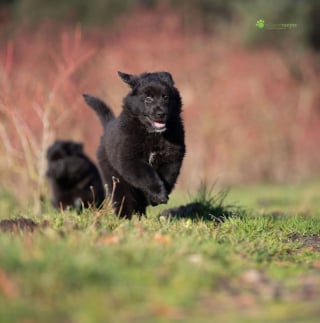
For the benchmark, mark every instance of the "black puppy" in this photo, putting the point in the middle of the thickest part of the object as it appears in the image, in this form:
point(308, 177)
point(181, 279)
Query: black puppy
point(142, 150)
point(74, 179)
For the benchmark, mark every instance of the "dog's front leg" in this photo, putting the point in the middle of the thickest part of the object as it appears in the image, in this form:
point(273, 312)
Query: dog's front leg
point(169, 173)
point(142, 176)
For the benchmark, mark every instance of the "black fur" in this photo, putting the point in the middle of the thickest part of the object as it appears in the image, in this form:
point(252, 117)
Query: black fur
point(142, 150)
point(74, 179)
point(103, 111)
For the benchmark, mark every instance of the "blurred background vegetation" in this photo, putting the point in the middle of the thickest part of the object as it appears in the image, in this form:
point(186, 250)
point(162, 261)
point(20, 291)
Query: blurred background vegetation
point(251, 96)
point(207, 15)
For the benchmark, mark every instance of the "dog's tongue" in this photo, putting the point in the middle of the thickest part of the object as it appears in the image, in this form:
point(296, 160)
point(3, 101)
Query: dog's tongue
point(158, 125)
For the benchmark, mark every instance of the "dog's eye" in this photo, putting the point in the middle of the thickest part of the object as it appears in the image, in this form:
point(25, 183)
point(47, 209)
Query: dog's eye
point(165, 97)
point(148, 99)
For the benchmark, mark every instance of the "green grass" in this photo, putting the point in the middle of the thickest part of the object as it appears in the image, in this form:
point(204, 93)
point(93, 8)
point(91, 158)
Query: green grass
point(261, 264)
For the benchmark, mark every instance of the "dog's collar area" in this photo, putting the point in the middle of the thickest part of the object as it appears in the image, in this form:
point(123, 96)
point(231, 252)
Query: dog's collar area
point(160, 130)
point(153, 130)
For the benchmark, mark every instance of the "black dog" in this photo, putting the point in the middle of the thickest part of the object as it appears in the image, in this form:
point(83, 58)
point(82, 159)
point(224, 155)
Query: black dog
point(74, 179)
point(142, 150)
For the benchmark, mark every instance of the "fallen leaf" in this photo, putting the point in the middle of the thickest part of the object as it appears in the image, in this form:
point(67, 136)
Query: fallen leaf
point(245, 301)
point(195, 258)
point(160, 238)
point(168, 312)
point(7, 286)
point(252, 276)
point(111, 239)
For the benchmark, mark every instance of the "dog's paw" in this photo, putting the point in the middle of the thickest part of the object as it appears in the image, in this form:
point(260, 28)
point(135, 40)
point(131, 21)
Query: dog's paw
point(159, 198)
point(155, 200)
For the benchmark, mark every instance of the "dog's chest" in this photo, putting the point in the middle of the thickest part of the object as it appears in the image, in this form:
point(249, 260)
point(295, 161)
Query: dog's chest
point(152, 158)
point(155, 153)
point(155, 158)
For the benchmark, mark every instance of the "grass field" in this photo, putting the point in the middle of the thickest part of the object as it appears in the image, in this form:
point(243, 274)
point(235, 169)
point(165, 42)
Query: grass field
point(259, 265)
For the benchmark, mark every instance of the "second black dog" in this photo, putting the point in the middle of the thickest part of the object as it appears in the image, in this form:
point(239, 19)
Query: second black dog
point(74, 179)
point(141, 150)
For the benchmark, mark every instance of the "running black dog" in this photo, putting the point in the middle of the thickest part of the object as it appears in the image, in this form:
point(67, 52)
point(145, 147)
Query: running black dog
point(74, 179)
point(141, 151)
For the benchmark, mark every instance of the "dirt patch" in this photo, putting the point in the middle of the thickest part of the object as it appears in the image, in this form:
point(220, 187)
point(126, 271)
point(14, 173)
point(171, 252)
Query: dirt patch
point(21, 224)
point(18, 224)
point(309, 241)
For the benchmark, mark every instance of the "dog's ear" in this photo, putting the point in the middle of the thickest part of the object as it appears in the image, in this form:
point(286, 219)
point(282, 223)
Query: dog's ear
point(166, 77)
point(132, 80)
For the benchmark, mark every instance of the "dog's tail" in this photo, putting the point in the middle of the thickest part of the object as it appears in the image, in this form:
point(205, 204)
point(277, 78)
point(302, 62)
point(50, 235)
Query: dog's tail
point(104, 113)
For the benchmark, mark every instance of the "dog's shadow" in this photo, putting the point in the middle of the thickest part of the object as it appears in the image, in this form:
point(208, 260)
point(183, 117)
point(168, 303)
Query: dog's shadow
point(206, 207)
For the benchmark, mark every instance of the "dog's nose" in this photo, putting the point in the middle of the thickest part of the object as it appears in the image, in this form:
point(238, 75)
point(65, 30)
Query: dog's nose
point(160, 114)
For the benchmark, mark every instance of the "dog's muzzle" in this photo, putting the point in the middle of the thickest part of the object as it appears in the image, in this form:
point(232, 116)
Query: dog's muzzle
point(157, 125)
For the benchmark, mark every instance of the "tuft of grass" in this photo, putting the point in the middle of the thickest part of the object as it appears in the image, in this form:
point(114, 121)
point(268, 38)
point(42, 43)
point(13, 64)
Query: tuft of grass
point(206, 206)
point(214, 206)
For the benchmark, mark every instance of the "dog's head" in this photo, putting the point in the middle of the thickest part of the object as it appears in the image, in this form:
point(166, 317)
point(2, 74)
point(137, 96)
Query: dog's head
point(61, 149)
point(153, 99)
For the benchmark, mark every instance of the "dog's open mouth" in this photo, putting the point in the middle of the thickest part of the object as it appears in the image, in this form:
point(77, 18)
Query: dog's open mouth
point(158, 125)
